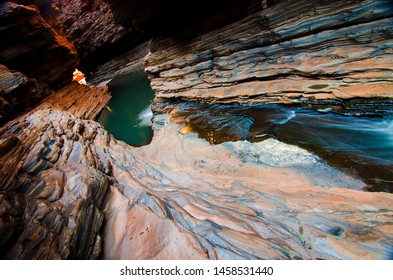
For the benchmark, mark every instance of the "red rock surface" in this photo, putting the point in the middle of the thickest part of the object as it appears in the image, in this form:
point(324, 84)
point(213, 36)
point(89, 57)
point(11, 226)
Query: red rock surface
point(18, 93)
point(290, 52)
point(70, 190)
point(89, 24)
point(30, 45)
point(81, 100)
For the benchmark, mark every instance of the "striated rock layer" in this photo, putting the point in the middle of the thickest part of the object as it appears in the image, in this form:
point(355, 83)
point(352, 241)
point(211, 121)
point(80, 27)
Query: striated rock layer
point(18, 93)
point(30, 45)
point(89, 24)
point(51, 196)
point(80, 100)
point(291, 52)
point(70, 190)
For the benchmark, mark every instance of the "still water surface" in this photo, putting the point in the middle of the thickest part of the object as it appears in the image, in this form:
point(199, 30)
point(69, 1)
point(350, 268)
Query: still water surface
point(127, 114)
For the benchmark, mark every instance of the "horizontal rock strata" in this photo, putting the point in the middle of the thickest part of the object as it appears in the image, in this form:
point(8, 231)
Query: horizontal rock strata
point(120, 65)
point(83, 101)
point(178, 198)
point(292, 52)
point(18, 93)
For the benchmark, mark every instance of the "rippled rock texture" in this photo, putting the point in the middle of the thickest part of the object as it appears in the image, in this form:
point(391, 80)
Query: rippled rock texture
point(18, 92)
point(361, 146)
point(52, 189)
point(293, 52)
point(82, 101)
point(32, 46)
point(70, 190)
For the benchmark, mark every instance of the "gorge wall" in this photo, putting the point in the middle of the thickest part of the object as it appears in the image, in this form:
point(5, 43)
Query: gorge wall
point(32, 46)
point(292, 52)
point(70, 190)
point(35, 59)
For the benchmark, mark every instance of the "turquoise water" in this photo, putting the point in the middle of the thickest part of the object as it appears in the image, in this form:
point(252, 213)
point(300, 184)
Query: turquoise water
point(127, 115)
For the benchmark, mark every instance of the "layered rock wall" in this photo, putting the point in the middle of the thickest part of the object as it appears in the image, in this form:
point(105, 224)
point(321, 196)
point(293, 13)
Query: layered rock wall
point(89, 25)
point(51, 197)
point(18, 93)
point(290, 52)
point(30, 45)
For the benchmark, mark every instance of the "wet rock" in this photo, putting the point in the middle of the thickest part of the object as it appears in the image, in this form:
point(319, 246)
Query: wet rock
point(178, 198)
point(236, 208)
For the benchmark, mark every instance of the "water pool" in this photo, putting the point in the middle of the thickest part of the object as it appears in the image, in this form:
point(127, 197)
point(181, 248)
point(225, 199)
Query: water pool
point(127, 115)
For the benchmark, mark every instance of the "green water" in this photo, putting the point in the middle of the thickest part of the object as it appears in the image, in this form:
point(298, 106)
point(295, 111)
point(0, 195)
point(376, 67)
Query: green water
point(131, 95)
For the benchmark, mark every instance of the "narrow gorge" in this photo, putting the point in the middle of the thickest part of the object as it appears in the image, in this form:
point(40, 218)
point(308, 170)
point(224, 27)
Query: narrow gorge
point(199, 130)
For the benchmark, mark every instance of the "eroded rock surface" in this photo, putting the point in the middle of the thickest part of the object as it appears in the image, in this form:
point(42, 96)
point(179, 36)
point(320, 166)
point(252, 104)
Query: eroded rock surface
point(290, 52)
point(18, 92)
point(52, 189)
point(82, 101)
point(178, 198)
point(32, 46)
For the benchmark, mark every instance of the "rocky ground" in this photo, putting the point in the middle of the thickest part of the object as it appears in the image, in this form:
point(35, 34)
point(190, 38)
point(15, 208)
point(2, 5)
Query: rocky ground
point(70, 190)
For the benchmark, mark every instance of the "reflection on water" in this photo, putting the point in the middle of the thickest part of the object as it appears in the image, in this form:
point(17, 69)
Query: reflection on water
point(360, 146)
point(128, 115)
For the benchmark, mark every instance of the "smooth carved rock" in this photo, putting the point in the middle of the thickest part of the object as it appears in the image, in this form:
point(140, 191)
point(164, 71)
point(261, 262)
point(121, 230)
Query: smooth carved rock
point(291, 52)
point(224, 205)
point(70, 190)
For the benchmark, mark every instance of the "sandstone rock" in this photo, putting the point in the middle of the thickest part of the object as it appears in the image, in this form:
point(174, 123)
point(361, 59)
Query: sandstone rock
point(30, 45)
point(60, 194)
point(177, 198)
point(291, 52)
point(90, 25)
point(81, 100)
point(236, 209)
point(120, 65)
point(70, 190)
point(18, 92)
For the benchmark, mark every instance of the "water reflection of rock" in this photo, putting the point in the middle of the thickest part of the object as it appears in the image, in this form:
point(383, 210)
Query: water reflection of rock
point(361, 146)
